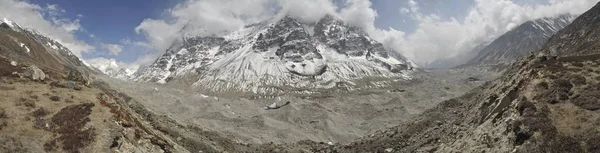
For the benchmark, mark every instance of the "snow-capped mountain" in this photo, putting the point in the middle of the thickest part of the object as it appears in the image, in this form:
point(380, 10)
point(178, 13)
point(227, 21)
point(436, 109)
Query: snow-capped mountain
point(111, 68)
point(280, 56)
point(29, 45)
point(527, 37)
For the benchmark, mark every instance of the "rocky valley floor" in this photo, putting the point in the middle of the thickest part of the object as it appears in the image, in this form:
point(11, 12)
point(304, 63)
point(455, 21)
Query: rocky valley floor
point(340, 118)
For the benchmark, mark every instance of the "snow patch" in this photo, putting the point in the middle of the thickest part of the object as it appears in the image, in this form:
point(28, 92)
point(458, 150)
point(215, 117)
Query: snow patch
point(8, 22)
point(51, 45)
point(24, 46)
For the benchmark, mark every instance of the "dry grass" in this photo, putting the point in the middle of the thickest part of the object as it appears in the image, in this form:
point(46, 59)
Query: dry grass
point(69, 122)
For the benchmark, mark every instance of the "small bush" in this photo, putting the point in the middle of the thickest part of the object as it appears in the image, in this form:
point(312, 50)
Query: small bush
point(26, 102)
point(563, 87)
point(589, 98)
point(2, 117)
point(577, 80)
point(55, 98)
point(577, 64)
point(6, 88)
point(39, 113)
point(69, 122)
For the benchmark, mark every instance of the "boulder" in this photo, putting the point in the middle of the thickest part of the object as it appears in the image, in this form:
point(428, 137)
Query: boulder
point(34, 73)
point(67, 84)
point(77, 76)
point(397, 90)
point(472, 79)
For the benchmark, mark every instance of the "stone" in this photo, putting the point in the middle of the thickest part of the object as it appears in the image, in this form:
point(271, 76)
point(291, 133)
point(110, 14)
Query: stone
point(75, 75)
point(34, 73)
point(67, 84)
point(472, 79)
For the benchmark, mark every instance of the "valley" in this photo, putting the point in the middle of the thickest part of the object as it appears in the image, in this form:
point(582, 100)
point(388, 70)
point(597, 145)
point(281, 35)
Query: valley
point(286, 85)
point(336, 118)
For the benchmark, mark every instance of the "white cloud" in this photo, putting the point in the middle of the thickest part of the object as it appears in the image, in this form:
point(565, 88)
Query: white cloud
point(359, 13)
point(126, 41)
point(434, 37)
point(207, 17)
point(201, 17)
point(68, 25)
point(307, 11)
point(413, 5)
point(159, 34)
point(32, 16)
point(112, 49)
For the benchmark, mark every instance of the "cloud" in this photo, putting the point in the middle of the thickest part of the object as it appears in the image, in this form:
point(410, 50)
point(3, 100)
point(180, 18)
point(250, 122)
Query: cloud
point(158, 33)
point(113, 49)
point(201, 17)
point(359, 13)
point(436, 38)
point(209, 17)
point(68, 25)
point(57, 27)
point(307, 11)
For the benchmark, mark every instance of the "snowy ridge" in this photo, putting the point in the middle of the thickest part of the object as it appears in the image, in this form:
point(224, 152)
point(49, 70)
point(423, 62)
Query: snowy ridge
point(528, 37)
point(280, 57)
point(550, 26)
point(10, 24)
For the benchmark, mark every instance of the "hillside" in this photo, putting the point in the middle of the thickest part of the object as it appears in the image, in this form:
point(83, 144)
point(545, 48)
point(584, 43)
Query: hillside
point(522, 40)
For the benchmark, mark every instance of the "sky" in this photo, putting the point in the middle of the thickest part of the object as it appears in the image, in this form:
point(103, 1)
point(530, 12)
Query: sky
point(131, 33)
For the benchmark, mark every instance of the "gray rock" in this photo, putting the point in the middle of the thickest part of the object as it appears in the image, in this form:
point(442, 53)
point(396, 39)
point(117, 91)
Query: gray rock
point(34, 73)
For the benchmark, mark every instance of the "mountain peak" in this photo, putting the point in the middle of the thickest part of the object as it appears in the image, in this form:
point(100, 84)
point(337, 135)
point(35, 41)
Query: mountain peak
point(278, 57)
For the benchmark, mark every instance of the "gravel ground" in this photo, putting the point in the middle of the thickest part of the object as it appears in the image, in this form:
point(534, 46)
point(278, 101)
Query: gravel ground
point(339, 118)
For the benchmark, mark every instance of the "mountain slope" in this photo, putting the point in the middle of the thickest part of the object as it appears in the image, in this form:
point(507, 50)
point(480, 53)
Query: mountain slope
point(53, 111)
point(29, 46)
point(579, 38)
point(281, 56)
point(527, 37)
